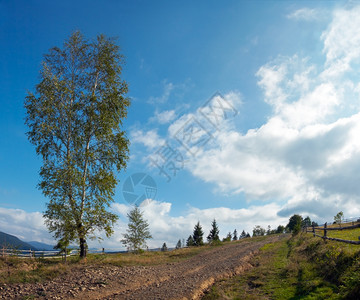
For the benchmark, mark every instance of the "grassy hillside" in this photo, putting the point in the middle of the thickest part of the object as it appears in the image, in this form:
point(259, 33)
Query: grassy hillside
point(302, 267)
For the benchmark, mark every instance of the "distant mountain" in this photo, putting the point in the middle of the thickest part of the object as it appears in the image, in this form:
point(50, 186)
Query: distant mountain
point(10, 241)
point(41, 246)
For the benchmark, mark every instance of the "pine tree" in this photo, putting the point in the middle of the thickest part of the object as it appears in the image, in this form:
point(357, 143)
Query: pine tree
point(227, 238)
point(243, 234)
point(178, 245)
point(164, 247)
point(214, 233)
point(235, 237)
point(138, 231)
point(190, 241)
point(198, 235)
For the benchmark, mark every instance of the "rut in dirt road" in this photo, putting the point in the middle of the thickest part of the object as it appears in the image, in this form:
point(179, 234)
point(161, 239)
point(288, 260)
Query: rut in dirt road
point(188, 279)
point(182, 280)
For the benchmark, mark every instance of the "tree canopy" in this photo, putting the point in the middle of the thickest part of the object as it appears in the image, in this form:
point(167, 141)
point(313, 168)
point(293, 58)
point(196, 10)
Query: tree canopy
point(75, 119)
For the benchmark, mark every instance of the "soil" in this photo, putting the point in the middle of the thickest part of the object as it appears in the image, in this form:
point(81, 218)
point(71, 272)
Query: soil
point(187, 279)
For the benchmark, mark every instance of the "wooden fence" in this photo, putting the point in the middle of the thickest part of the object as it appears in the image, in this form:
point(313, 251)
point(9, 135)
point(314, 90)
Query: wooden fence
point(31, 254)
point(325, 228)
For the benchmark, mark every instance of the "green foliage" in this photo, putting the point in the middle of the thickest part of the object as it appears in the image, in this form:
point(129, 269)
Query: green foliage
point(190, 241)
point(214, 233)
point(280, 229)
point(258, 231)
point(198, 235)
point(297, 228)
point(178, 245)
point(138, 231)
point(338, 219)
point(228, 237)
point(306, 222)
point(294, 221)
point(74, 120)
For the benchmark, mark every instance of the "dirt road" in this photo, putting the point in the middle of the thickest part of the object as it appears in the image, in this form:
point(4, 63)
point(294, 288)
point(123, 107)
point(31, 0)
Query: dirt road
point(182, 280)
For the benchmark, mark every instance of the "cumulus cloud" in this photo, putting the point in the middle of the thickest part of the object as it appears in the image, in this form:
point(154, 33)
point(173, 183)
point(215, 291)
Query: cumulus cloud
point(307, 153)
point(164, 117)
point(166, 228)
point(149, 139)
point(24, 225)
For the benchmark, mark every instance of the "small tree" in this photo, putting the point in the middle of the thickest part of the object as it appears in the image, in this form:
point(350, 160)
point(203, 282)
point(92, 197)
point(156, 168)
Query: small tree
point(164, 247)
point(190, 241)
point(228, 237)
point(268, 232)
point(243, 234)
point(235, 237)
point(198, 235)
point(280, 229)
point(294, 221)
point(306, 222)
point(138, 231)
point(178, 245)
point(258, 231)
point(214, 233)
point(339, 218)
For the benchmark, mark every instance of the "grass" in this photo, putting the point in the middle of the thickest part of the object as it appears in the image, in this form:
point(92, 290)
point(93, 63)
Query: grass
point(147, 258)
point(302, 267)
point(347, 234)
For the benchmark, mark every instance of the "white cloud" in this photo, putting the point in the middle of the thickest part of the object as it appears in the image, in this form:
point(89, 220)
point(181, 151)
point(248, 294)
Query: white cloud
point(307, 154)
point(169, 229)
point(304, 14)
point(342, 41)
point(164, 116)
point(150, 138)
point(24, 225)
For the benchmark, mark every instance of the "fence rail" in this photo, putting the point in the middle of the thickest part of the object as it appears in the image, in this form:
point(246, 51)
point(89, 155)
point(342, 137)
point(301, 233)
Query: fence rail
point(31, 253)
point(50, 253)
point(355, 224)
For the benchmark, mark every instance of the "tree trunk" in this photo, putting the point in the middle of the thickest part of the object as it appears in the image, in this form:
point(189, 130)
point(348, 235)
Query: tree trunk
point(82, 247)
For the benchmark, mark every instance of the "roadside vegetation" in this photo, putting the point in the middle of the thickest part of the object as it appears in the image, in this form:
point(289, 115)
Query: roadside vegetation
point(301, 267)
point(21, 270)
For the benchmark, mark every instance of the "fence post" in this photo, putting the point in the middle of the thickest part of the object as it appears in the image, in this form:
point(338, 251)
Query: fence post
point(325, 231)
point(313, 226)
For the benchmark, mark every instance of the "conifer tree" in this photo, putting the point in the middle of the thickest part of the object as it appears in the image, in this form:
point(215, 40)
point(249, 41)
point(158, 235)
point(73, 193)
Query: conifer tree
point(243, 234)
point(235, 237)
point(214, 233)
point(198, 235)
point(138, 231)
point(228, 237)
point(178, 245)
point(190, 241)
point(164, 247)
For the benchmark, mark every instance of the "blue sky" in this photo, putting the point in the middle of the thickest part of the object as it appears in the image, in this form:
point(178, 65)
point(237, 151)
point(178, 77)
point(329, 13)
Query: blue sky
point(289, 69)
